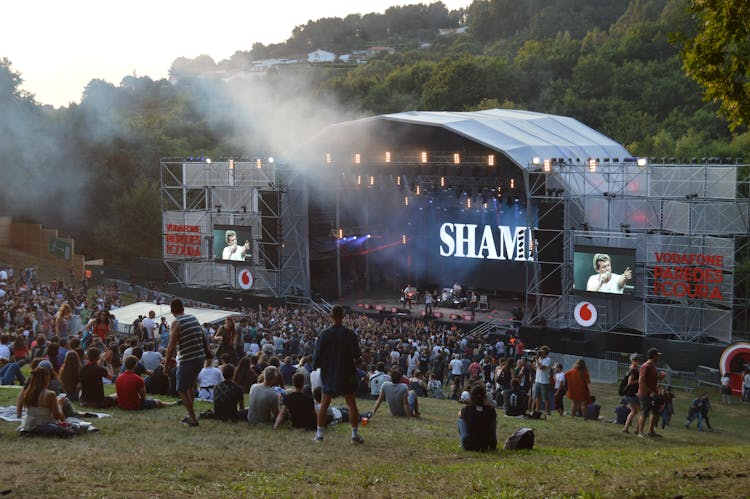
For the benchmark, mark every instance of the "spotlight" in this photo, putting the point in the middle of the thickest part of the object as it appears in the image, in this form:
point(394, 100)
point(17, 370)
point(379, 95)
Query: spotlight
point(357, 158)
point(491, 160)
point(535, 160)
point(388, 156)
point(642, 162)
point(593, 163)
point(423, 157)
point(208, 161)
point(231, 164)
point(547, 165)
point(258, 163)
point(270, 160)
point(329, 158)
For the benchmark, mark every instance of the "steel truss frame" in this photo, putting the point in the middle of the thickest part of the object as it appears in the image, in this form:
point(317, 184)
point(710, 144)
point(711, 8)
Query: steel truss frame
point(231, 192)
point(681, 208)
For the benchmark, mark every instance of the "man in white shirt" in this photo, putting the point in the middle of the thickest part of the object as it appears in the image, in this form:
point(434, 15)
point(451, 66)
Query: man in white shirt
point(149, 326)
point(541, 380)
point(457, 369)
point(377, 378)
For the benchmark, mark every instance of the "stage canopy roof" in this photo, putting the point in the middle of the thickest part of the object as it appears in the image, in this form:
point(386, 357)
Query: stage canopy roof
point(128, 314)
point(520, 135)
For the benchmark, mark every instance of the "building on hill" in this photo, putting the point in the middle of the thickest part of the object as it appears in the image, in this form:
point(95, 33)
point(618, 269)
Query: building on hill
point(321, 55)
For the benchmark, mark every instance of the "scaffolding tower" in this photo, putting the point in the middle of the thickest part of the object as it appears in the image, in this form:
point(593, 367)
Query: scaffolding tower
point(267, 198)
point(651, 209)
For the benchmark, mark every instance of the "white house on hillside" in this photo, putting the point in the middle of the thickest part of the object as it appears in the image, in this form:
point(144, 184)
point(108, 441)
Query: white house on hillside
point(321, 56)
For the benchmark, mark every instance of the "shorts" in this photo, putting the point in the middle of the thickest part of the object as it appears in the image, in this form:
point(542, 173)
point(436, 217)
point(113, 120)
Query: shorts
point(148, 404)
point(647, 405)
point(540, 391)
point(633, 400)
point(187, 373)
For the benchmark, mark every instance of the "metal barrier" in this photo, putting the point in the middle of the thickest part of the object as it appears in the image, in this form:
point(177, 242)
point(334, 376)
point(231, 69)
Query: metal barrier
point(684, 380)
point(708, 376)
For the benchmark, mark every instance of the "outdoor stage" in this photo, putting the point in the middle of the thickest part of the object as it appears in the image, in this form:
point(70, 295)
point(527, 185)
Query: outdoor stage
point(500, 309)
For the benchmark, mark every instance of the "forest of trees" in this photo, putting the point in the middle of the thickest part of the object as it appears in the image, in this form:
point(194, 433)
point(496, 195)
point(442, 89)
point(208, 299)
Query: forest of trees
point(92, 168)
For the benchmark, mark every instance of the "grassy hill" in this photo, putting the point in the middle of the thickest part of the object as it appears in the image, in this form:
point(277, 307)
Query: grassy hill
point(151, 454)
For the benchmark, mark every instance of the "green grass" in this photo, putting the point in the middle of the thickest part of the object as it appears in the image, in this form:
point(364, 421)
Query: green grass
point(151, 454)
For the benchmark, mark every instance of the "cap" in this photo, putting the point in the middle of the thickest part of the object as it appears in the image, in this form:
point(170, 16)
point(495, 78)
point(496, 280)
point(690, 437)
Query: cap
point(45, 363)
point(635, 356)
point(465, 397)
point(653, 352)
point(544, 348)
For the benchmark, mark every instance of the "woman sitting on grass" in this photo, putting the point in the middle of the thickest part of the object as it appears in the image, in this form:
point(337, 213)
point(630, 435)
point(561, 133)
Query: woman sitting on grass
point(477, 422)
point(70, 375)
point(44, 413)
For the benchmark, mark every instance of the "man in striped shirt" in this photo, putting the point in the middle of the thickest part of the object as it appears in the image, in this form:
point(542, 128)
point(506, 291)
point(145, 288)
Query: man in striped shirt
point(186, 337)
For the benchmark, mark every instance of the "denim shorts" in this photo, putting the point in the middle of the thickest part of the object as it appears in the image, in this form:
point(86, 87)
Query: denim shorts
point(187, 373)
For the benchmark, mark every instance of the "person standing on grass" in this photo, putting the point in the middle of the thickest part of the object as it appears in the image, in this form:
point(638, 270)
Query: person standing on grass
point(336, 354)
point(648, 380)
point(631, 393)
point(186, 337)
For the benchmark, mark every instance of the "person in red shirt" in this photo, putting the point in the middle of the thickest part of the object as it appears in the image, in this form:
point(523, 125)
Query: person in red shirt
point(131, 390)
point(648, 381)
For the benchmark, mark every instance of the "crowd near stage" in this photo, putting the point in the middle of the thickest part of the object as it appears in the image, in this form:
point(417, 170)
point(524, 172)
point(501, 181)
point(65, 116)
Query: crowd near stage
point(600, 252)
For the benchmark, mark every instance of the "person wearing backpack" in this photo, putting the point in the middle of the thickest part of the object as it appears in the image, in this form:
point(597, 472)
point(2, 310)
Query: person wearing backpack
point(630, 391)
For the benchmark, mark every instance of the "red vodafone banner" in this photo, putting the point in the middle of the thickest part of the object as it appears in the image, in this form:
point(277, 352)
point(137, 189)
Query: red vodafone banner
point(585, 314)
point(245, 279)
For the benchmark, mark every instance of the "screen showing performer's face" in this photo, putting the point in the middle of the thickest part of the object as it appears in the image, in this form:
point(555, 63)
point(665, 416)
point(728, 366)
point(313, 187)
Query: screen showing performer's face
point(232, 245)
point(612, 271)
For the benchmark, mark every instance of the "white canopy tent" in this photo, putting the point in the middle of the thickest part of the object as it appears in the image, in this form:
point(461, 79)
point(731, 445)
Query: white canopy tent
point(128, 314)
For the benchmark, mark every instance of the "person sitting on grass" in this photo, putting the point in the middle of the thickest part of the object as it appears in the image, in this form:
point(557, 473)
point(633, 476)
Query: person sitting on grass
point(477, 422)
point(435, 387)
point(131, 389)
point(592, 410)
point(515, 399)
point(229, 399)
point(298, 407)
point(402, 402)
point(263, 403)
point(44, 415)
point(92, 388)
point(10, 372)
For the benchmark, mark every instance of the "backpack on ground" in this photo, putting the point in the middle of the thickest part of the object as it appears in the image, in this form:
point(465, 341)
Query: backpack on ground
point(521, 439)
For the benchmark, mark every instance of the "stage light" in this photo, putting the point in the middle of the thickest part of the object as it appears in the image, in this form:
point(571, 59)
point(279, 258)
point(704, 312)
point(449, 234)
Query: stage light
point(270, 160)
point(359, 179)
point(491, 160)
point(357, 159)
point(642, 162)
point(468, 202)
point(418, 190)
point(369, 236)
point(341, 233)
point(398, 180)
point(329, 158)
point(406, 200)
point(547, 165)
point(259, 163)
point(456, 158)
point(208, 161)
point(388, 156)
point(231, 164)
point(403, 238)
point(592, 165)
point(536, 160)
point(442, 181)
point(372, 180)
point(424, 156)
point(512, 183)
point(484, 204)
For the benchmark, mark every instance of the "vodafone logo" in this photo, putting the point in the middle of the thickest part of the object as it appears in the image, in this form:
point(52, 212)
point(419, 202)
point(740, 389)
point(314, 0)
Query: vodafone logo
point(585, 314)
point(245, 279)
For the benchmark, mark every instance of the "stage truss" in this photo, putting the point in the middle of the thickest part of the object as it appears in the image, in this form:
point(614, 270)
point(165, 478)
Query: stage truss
point(652, 209)
point(269, 198)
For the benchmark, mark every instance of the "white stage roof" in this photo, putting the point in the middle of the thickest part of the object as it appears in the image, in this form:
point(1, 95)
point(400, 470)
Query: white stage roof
point(128, 314)
point(521, 135)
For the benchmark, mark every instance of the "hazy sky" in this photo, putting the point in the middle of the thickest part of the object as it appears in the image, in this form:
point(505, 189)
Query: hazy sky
point(59, 46)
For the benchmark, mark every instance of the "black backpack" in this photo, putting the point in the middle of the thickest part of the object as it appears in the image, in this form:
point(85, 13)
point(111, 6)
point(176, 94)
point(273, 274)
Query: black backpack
point(623, 384)
point(521, 439)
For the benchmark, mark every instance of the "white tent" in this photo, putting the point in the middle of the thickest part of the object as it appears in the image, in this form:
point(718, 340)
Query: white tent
point(128, 314)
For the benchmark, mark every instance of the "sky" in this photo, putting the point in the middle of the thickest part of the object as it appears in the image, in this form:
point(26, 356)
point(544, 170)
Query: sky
point(58, 47)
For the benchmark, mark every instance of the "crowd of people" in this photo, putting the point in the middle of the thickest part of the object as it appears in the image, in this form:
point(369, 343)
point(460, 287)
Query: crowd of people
point(279, 360)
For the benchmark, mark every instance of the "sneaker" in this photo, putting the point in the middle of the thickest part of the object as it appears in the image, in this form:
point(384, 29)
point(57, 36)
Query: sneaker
point(318, 438)
point(190, 423)
point(185, 420)
point(357, 439)
point(641, 435)
point(653, 434)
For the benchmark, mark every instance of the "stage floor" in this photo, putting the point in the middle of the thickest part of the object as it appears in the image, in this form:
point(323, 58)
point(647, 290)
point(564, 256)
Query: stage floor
point(499, 309)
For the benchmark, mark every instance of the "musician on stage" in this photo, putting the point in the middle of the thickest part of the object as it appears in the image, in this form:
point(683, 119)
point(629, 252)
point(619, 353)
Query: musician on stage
point(428, 303)
point(409, 294)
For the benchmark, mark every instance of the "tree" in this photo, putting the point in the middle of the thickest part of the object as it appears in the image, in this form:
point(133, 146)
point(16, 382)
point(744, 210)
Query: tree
point(718, 56)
